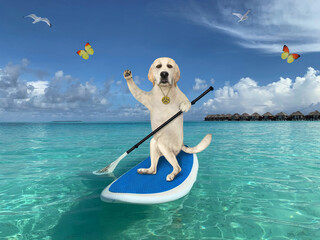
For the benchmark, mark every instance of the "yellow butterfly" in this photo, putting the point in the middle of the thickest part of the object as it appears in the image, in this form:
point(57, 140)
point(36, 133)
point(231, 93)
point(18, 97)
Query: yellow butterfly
point(290, 56)
point(85, 53)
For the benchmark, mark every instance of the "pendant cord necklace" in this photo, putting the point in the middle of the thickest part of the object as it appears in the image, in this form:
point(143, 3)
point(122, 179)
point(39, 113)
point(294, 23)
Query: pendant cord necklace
point(165, 99)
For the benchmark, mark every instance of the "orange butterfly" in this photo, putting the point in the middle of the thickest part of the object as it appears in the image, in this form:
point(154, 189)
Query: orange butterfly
point(286, 54)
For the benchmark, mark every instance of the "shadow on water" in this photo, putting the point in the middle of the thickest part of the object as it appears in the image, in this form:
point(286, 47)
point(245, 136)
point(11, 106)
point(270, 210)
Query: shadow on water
point(90, 218)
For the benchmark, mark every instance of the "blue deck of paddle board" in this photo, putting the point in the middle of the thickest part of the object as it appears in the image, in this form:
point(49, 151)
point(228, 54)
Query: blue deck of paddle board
point(133, 182)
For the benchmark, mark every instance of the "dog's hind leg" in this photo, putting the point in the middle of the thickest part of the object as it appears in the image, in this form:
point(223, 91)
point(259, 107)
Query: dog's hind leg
point(154, 156)
point(171, 158)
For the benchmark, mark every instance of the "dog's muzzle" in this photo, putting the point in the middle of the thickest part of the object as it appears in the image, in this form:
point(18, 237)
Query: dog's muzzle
point(164, 77)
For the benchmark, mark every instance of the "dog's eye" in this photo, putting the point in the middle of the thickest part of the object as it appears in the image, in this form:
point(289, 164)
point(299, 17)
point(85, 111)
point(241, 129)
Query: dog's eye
point(159, 66)
point(169, 66)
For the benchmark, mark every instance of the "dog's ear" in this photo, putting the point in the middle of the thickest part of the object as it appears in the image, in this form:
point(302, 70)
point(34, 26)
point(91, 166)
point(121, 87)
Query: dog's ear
point(176, 76)
point(150, 75)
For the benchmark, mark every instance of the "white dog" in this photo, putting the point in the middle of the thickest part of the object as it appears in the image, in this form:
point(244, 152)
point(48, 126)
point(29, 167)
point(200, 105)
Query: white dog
point(164, 100)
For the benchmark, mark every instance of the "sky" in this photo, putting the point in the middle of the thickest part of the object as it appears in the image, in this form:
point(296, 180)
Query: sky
point(43, 79)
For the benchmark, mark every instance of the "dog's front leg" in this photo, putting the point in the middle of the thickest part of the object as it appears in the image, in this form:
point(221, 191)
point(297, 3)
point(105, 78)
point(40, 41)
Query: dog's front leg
point(140, 95)
point(185, 104)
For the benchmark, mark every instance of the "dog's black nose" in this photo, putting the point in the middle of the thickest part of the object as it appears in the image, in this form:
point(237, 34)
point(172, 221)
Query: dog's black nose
point(164, 74)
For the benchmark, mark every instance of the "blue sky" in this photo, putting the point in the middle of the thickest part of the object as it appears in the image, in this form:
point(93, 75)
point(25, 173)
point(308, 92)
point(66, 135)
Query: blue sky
point(43, 79)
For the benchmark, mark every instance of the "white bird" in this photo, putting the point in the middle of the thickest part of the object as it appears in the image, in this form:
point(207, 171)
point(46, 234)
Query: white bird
point(242, 17)
point(39, 19)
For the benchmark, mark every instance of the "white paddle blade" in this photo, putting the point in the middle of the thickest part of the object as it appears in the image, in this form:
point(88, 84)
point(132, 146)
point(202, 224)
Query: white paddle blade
point(110, 168)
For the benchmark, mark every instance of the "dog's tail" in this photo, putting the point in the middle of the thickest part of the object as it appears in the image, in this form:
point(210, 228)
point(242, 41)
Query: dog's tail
point(200, 147)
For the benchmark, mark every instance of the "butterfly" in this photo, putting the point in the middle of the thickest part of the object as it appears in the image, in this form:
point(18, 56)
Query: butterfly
point(286, 54)
point(85, 53)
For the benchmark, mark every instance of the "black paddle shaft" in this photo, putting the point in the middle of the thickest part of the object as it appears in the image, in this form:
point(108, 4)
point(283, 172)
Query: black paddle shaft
point(169, 120)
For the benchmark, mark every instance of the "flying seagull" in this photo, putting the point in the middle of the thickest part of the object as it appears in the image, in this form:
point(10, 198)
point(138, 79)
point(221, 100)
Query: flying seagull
point(242, 18)
point(39, 19)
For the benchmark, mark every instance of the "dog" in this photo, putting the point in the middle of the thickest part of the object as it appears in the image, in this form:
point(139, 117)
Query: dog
point(163, 101)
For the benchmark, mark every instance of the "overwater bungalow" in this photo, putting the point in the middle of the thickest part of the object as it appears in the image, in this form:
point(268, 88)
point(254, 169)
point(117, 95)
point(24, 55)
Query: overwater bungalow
point(268, 116)
point(228, 116)
point(297, 116)
point(244, 117)
point(281, 116)
point(209, 117)
point(235, 117)
point(313, 116)
point(213, 117)
point(255, 117)
point(222, 117)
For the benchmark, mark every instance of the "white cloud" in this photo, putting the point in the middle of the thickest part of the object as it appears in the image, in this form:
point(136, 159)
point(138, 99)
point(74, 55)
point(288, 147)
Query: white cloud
point(38, 88)
point(62, 93)
point(287, 95)
point(200, 84)
point(270, 25)
point(59, 74)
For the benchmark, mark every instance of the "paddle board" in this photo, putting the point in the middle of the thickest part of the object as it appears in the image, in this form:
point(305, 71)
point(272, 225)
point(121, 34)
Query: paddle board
point(136, 188)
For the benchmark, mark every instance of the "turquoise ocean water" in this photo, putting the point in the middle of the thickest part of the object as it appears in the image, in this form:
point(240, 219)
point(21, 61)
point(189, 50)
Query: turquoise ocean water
point(257, 180)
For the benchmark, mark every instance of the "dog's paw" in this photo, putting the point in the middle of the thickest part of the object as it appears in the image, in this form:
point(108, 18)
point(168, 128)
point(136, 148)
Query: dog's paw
point(173, 174)
point(146, 171)
point(185, 106)
point(127, 74)
point(170, 177)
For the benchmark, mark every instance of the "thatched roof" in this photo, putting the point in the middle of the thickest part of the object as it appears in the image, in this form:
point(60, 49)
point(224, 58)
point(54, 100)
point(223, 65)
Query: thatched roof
point(210, 117)
point(255, 114)
point(281, 114)
point(228, 115)
point(315, 113)
point(297, 113)
point(267, 114)
point(245, 115)
point(236, 115)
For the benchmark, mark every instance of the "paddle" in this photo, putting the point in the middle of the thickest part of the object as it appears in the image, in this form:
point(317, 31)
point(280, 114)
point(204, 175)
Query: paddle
point(113, 165)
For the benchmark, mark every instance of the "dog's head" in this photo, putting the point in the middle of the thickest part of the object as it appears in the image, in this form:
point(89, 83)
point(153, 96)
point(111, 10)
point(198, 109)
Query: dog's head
point(164, 72)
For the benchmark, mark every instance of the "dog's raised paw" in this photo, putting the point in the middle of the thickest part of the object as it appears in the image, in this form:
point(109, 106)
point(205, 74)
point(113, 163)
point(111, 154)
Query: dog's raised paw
point(127, 74)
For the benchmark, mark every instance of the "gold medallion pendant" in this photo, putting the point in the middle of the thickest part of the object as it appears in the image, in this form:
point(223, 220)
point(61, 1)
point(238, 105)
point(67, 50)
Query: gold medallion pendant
point(165, 100)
